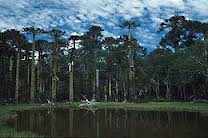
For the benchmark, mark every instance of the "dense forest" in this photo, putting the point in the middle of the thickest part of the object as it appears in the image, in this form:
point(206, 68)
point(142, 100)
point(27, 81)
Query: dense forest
point(92, 66)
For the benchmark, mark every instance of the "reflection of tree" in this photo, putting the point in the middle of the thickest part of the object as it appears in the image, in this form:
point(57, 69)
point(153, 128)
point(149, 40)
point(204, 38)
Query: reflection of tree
point(53, 123)
point(106, 117)
point(98, 124)
point(71, 122)
point(110, 120)
point(112, 123)
point(117, 118)
point(31, 121)
point(170, 125)
point(125, 118)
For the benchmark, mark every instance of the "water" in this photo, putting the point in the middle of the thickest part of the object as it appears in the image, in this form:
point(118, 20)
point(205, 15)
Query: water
point(112, 123)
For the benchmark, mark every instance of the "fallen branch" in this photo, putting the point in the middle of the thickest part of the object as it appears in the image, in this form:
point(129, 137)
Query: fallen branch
point(87, 103)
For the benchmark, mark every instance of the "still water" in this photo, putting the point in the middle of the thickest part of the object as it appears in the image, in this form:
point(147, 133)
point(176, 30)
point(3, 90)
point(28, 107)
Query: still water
point(112, 123)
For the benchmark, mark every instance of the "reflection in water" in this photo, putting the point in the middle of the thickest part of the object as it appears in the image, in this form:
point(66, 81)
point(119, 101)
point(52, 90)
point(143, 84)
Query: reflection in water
point(71, 122)
point(112, 124)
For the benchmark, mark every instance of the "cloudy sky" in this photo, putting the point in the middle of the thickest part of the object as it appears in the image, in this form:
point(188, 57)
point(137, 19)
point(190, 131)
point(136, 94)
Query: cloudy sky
point(78, 15)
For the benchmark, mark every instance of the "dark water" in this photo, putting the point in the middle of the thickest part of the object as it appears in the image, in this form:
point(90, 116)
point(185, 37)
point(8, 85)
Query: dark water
point(112, 124)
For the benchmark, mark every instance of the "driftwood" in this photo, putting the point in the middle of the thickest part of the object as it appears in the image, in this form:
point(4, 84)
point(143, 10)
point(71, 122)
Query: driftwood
point(48, 103)
point(88, 104)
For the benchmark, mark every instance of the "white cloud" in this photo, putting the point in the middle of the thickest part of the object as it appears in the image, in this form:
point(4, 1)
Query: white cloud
point(199, 6)
point(166, 3)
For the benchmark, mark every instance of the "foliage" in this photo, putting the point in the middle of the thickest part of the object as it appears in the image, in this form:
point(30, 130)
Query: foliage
point(103, 66)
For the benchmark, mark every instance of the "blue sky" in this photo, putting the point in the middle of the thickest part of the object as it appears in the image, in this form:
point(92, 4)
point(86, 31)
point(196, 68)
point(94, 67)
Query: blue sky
point(77, 15)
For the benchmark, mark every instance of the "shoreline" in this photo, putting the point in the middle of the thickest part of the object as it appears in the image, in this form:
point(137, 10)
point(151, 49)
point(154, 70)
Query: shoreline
point(9, 111)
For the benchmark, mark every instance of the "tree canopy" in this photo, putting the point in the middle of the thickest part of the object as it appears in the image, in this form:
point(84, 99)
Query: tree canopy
point(105, 68)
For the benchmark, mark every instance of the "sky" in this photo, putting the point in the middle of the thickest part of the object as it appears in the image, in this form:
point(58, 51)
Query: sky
point(78, 15)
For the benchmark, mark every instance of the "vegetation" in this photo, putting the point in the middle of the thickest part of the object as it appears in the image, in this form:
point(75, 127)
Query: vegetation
point(106, 69)
point(156, 106)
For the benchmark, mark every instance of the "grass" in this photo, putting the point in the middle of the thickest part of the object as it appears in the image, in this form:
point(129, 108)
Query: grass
point(157, 106)
point(6, 131)
point(9, 111)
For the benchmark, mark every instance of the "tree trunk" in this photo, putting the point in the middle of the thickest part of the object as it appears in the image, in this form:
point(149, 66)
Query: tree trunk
point(38, 78)
point(180, 92)
point(32, 88)
point(10, 68)
point(132, 76)
point(39, 70)
point(10, 76)
point(130, 85)
point(116, 96)
point(87, 80)
point(167, 89)
point(28, 76)
point(109, 88)
point(17, 85)
point(94, 74)
point(105, 91)
point(93, 87)
point(156, 87)
point(168, 92)
point(123, 75)
point(43, 86)
point(97, 85)
point(125, 92)
point(71, 84)
point(54, 82)
point(157, 90)
point(194, 92)
point(184, 92)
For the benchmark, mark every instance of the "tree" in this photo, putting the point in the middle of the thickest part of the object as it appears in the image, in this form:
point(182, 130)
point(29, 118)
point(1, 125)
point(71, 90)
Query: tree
point(74, 38)
point(16, 40)
point(110, 44)
point(180, 33)
point(131, 25)
point(183, 35)
point(172, 38)
point(41, 45)
point(56, 44)
point(33, 31)
point(6, 51)
point(91, 42)
point(198, 54)
point(162, 61)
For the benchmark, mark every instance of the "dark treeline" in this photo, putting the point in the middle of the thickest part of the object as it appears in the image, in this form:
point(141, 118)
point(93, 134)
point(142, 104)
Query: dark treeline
point(107, 69)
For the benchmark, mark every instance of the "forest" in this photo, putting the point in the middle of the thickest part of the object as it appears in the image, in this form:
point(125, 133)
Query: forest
point(44, 65)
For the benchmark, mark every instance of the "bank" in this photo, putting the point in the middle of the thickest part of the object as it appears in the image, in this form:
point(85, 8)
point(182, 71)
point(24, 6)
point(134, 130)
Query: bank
point(9, 111)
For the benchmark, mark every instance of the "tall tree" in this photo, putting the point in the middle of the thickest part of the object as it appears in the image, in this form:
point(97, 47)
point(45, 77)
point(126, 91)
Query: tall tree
point(91, 41)
point(16, 40)
point(40, 47)
point(131, 25)
point(161, 69)
point(56, 44)
point(74, 38)
point(181, 33)
point(109, 43)
point(33, 31)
